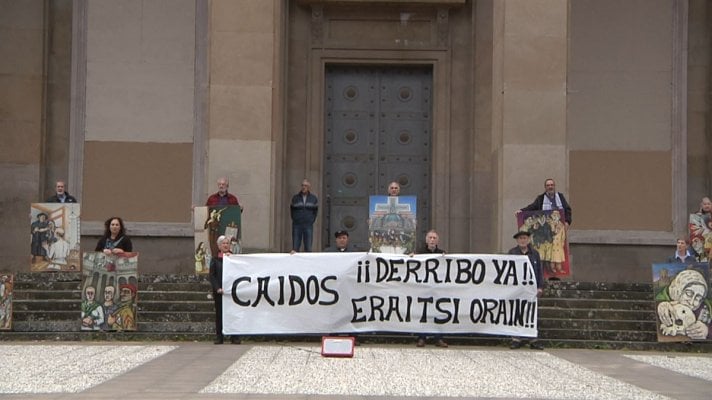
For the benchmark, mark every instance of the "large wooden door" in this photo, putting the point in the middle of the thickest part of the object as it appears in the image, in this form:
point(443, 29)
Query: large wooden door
point(378, 123)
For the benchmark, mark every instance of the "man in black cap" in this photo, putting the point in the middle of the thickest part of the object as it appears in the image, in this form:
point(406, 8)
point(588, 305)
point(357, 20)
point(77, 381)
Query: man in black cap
point(342, 243)
point(524, 248)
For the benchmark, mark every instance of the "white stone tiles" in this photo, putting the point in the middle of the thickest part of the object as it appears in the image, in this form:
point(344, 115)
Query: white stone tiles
point(68, 368)
point(695, 366)
point(418, 372)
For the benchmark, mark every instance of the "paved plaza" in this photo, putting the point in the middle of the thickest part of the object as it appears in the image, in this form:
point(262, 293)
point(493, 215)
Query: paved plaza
point(179, 370)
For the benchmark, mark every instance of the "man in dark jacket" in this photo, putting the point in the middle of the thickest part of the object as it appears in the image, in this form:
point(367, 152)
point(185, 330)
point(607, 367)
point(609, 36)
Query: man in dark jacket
point(524, 248)
point(303, 210)
point(61, 195)
point(550, 200)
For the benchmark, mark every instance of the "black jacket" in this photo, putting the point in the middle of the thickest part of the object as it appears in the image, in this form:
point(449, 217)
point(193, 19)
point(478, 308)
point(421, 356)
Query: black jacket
point(304, 212)
point(539, 203)
point(55, 199)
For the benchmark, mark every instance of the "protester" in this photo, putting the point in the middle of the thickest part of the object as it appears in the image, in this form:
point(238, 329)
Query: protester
point(550, 200)
point(394, 188)
point(342, 243)
point(222, 197)
point(705, 207)
point(61, 195)
point(114, 240)
point(432, 240)
point(303, 210)
point(523, 247)
point(682, 254)
point(216, 276)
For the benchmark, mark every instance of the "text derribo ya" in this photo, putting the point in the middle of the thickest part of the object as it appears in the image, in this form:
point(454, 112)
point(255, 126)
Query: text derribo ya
point(356, 292)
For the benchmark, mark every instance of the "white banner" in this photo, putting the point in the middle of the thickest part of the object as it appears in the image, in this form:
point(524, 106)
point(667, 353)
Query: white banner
point(323, 293)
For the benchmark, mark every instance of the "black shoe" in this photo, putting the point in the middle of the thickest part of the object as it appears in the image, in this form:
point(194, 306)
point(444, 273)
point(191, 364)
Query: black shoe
point(421, 343)
point(536, 346)
point(440, 343)
point(218, 340)
point(235, 340)
point(515, 344)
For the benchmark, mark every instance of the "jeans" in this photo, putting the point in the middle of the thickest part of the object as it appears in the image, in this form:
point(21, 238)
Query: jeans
point(302, 232)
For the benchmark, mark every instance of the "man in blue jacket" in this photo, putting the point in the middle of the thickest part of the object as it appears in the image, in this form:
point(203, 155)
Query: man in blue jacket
point(303, 210)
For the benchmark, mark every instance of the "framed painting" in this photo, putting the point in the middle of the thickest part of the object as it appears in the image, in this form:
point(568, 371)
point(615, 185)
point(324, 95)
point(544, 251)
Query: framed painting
point(55, 234)
point(109, 292)
point(392, 224)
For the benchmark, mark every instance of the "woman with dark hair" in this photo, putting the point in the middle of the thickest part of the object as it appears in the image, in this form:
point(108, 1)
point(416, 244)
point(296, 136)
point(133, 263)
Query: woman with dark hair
point(114, 240)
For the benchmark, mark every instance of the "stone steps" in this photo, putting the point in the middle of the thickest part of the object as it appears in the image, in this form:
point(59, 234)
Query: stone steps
point(571, 314)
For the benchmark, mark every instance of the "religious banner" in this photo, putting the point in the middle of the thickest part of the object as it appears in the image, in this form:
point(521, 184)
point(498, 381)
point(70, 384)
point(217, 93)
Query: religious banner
point(209, 224)
point(392, 223)
point(700, 227)
point(55, 235)
point(109, 292)
point(683, 302)
point(6, 286)
point(321, 293)
point(549, 238)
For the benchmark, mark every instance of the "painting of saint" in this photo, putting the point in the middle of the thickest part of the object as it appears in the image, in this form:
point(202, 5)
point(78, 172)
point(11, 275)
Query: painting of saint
point(549, 238)
point(54, 237)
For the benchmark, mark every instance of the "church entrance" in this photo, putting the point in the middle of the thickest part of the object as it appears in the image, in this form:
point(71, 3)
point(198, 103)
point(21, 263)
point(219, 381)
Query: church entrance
point(378, 129)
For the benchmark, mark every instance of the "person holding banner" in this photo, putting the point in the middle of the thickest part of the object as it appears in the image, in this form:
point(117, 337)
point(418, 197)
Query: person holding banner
point(523, 247)
point(216, 278)
point(432, 239)
point(114, 240)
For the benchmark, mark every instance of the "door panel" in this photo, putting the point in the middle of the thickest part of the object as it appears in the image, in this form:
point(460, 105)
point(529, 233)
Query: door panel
point(377, 130)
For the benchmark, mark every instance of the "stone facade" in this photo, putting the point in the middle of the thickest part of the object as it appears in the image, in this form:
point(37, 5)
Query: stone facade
point(142, 105)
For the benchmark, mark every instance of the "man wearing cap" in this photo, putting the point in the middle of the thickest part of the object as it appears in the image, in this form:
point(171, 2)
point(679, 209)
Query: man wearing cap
point(524, 248)
point(342, 243)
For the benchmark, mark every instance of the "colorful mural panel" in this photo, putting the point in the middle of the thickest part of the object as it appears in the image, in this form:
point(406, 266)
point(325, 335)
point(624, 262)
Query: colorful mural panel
point(392, 224)
point(700, 228)
point(683, 302)
point(549, 237)
point(109, 292)
point(209, 224)
point(6, 286)
point(55, 234)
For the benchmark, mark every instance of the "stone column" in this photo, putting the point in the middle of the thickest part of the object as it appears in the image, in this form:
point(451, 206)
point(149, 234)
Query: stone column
point(529, 103)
